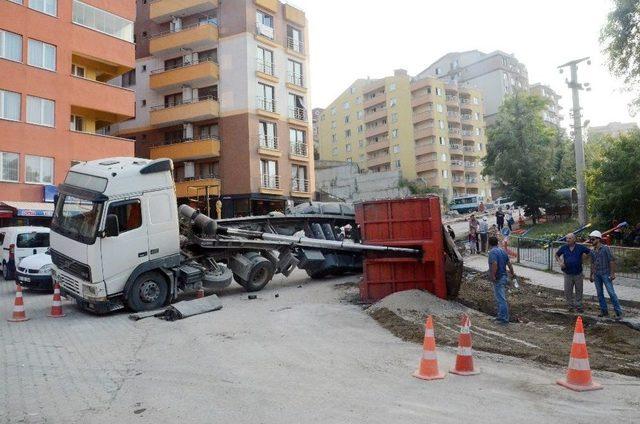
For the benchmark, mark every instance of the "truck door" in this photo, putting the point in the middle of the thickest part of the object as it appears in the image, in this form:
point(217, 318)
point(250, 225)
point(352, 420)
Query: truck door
point(164, 238)
point(122, 254)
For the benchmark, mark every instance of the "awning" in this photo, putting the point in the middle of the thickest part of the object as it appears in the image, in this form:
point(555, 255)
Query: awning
point(28, 209)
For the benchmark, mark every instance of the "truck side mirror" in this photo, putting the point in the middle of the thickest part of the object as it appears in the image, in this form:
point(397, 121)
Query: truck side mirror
point(112, 226)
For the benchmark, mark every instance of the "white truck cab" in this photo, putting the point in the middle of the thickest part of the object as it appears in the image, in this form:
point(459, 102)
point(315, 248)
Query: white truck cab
point(115, 228)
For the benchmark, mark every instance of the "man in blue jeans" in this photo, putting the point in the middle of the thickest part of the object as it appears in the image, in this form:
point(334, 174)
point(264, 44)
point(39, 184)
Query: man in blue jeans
point(498, 263)
point(603, 272)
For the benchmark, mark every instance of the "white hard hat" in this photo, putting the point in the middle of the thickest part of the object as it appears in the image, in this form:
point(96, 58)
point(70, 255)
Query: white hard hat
point(595, 233)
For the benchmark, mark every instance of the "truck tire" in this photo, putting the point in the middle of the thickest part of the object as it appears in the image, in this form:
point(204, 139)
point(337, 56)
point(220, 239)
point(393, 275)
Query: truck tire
point(148, 292)
point(217, 280)
point(260, 274)
point(318, 273)
point(6, 273)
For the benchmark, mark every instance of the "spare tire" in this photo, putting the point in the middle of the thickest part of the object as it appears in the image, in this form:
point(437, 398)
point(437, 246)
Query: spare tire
point(217, 279)
point(260, 274)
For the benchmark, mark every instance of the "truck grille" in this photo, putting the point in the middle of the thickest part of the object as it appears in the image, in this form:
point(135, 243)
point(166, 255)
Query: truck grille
point(71, 266)
point(69, 284)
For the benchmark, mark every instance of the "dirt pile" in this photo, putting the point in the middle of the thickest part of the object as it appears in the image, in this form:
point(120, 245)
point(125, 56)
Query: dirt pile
point(541, 328)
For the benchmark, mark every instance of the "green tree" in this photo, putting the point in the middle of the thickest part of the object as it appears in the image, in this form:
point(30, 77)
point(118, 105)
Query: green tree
point(613, 180)
point(621, 40)
point(520, 153)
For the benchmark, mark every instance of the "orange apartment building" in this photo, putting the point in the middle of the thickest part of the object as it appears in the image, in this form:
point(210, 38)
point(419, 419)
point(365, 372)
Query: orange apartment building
point(56, 103)
point(222, 88)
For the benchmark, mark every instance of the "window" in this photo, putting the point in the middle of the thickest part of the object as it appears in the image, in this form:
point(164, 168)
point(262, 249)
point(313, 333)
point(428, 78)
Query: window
point(398, 163)
point(396, 149)
point(173, 136)
point(348, 147)
point(445, 173)
point(49, 7)
point(264, 59)
point(394, 117)
point(266, 100)
point(333, 125)
point(173, 63)
point(346, 105)
point(294, 39)
point(438, 91)
point(442, 140)
point(346, 119)
point(129, 214)
point(296, 107)
point(444, 157)
point(439, 107)
point(393, 102)
point(358, 99)
point(298, 142)
point(171, 100)
point(208, 131)
point(295, 73)
point(77, 123)
point(394, 133)
point(477, 131)
point(41, 111)
point(476, 101)
point(77, 71)
point(42, 55)
point(264, 24)
point(334, 139)
point(360, 114)
point(360, 128)
point(333, 111)
point(10, 46)
point(361, 143)
point(129, 78)
point(441, 124)
point(209, 92)
point(269, 174)
point(39, 170)
point(9, 163)
point(299, 178)
point(392, 86)
point(347, 133)
point(438, 71)
point(102, 21)
point(9, 105)
point(267, 135)
point(477, 116)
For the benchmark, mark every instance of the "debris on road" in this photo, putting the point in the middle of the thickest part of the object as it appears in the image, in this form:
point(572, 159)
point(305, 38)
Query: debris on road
point(184, 309)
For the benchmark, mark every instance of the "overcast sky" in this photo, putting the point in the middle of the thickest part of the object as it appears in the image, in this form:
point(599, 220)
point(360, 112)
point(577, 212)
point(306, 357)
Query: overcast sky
point(352, 39)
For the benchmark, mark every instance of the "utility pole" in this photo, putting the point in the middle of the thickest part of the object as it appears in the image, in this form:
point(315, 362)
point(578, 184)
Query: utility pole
point(575, 87)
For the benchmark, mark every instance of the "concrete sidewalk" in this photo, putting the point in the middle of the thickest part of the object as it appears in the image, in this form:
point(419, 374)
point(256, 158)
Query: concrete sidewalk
point(551, 280)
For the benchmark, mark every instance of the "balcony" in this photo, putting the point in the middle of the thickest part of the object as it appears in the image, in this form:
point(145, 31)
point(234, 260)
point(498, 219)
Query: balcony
point(91, 94)
point(424, 132)
point(421, 99)
point(422, 116)
point(376, 130)
point(265, 34)
point(270, 184)
point(266, 70)
point(452, 99)
point(198, 73)
point(295, 81)
point(453, 116)
point(470, 165)
point(295, 46)
point(454, 131)
point(198, 187)
point(376, 99)
point(300, 187)
point(466, 117)
point(378, 160)
point(457, 182)
point(372, 116)
point(161, 11)
point(377, 145)
point(187, 150)
point(266, 107)
point(268, 146)
point(426, 165)
point(455, 147)
point(298, 115)
point(193, 110)
point(299, 151)
point(425, 148)
point(194, 37)
point(457, 165)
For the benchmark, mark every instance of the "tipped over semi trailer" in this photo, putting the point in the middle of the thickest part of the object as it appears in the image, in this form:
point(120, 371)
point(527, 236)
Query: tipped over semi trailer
point(117, 239)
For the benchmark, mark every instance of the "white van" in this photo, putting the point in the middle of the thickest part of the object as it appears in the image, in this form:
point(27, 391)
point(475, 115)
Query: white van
point(18, 243)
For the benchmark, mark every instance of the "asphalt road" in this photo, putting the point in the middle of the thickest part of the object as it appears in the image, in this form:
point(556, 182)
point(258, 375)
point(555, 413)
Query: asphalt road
point(304, 356)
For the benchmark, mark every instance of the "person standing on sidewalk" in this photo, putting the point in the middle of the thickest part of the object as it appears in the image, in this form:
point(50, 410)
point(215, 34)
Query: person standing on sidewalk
point(500, 218)
point(474, 225)
point(570, 257)
point(484, 234)
point(603, 272)
point(498, 263)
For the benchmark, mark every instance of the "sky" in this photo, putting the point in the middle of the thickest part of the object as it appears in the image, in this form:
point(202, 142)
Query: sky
point(351, 39)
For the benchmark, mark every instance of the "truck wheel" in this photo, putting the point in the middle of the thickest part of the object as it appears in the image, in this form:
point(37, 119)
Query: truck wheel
point(318, 273)
point(148, 292)
point(261, 273)
point(6, 274)
point(218, 279)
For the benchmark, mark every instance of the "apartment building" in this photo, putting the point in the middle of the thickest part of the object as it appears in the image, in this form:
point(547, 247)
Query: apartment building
point(425, 127)
point(552, 114)
point(222, 89)
point(56, 103)
point(496, 74)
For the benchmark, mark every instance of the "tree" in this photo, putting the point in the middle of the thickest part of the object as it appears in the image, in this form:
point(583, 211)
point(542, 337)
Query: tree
point(621, 39)
point(613, 181)
point(520, 153)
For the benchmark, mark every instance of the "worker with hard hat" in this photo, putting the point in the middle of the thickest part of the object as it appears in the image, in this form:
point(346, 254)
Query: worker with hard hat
point(603, 272)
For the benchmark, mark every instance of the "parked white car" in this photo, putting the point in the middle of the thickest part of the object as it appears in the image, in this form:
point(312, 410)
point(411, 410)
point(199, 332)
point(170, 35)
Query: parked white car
point(34, 272)
point(18, 243)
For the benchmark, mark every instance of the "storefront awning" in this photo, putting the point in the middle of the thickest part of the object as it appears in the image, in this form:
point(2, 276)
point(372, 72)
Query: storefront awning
point(28, 209)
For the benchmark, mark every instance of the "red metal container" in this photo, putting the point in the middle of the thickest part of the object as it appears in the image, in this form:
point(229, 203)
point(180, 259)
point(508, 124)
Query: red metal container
point(414, 222)
point(400, 222)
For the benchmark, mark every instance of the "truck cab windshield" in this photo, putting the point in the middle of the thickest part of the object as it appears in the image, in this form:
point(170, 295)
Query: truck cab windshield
point(77, 218)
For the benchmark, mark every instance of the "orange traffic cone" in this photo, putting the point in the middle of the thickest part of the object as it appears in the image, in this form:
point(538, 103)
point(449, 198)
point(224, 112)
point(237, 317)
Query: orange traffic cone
point(579, 372)
point(464, 359)
point(200, 293)
point(56, 306)
point(428, 369)
point(18, 307)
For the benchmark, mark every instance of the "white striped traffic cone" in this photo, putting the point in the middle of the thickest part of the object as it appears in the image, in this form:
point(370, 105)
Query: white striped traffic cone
point(18, 307)
point(56, 305)
point(464, 359)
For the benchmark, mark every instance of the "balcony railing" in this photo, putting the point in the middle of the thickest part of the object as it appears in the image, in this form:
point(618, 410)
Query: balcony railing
point(172, 104)
point(265, 67)
point(471, 180)
point(264, 30)
point(183, 65)
point(465, 100)
point(295, 79)
point(468, 148)
point(454, 130)
point(270, 181)
point(451, 98)
point(266, 104)
point(299, 149)
point(455, 146)
point(268, 142)
point(470, 165)
point(300, 185)
point(457, 163)
point(467, 132)
point(295, 45)
point(465, 117)
point(184, 28)
point(298, 113)
point(452, 114)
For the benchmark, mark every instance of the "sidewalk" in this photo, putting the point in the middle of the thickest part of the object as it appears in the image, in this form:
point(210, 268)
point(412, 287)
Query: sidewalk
point(551, 280)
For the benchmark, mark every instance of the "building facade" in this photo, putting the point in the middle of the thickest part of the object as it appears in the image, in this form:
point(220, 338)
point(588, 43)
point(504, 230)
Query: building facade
point(57, 58)
point(222, 89)
point(613, 129)
point(552, 114)
point(428, 129)
point(496, 74)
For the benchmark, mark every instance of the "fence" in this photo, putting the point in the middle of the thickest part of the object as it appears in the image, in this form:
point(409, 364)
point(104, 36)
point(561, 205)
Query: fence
point(540, 253)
